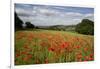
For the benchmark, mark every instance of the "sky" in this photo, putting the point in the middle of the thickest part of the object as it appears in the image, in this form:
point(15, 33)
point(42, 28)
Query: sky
point(48, 15)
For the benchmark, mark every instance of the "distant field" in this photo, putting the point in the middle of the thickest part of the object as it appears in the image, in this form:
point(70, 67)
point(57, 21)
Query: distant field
point(46, 46)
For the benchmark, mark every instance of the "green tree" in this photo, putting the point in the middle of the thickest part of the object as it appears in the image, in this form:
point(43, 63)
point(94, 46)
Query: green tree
point(29, 25)
point(18, 22)
point(85, 27)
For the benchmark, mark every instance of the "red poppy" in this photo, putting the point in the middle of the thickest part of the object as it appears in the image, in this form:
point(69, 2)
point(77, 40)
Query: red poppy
point(65, 45)
point(78, 47)
point(51, 49)
point(91, 59)
point(79, 56)
point(86, 58)
point(17, 55)
point(91, 55)
point(85, 49)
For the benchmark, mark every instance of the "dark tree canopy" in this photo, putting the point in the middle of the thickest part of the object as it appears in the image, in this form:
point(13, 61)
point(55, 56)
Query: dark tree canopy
point(85, 27)
point(29, 25)
point(18, 22)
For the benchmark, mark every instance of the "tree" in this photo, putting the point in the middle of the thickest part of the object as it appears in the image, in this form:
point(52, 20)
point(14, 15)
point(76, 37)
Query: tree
point(85, 27)
point(18, 22)
point(29, 25)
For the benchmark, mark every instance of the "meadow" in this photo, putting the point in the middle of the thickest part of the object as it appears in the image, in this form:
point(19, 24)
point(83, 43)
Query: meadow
point(49, 46)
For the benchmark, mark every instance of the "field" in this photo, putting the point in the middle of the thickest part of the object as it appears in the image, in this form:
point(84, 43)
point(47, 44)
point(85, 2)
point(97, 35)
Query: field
point(48, 46)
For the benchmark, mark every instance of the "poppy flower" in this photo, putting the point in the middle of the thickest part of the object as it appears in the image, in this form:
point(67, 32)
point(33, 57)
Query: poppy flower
point(86, 58)
point(85, 49)
point(17, 55)
point(79, 56)
point(64, 45)
point(91, 55)
point(78, 47)
point(91, 58)
point(51, 49)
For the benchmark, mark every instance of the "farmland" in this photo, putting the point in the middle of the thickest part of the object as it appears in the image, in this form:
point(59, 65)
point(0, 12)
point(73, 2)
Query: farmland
point(49, 46)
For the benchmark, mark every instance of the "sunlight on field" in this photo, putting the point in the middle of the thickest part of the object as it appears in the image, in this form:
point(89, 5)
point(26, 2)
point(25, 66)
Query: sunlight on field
point(45, 46)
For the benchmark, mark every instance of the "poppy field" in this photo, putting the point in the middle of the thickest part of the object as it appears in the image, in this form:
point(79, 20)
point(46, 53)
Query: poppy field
point(47, 46)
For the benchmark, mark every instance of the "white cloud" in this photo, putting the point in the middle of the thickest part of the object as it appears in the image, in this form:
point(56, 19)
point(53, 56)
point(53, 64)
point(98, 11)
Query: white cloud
point(48, 16)
point(24, 12)
point(74, 14)
point(89, 16)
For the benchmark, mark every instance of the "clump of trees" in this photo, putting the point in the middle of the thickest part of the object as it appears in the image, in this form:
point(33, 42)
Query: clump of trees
point(85, 27)
point(29, 25)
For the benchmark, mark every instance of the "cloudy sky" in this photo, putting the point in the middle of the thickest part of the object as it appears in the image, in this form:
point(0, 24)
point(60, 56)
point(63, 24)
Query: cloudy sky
point(46, 15)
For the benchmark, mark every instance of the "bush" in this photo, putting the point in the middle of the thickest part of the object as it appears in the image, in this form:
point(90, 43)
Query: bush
point(85, 27)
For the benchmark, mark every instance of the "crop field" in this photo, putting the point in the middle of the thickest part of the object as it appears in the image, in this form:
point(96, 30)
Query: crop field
point(48, 46)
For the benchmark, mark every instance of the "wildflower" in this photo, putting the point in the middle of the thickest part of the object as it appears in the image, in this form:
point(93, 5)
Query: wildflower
point(86, 58)
point(79, 56)
point(78, 47)
point(91, 55)
point(85, 49)
point(51, 49)
point(91, 58)
point(17, 55)
point(64, 45)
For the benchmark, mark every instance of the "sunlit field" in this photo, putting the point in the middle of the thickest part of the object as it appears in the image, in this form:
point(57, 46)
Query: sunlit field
point(48, 46)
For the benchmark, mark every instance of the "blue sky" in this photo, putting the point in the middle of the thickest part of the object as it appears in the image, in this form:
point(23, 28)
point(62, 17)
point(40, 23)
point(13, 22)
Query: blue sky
point(45, 15)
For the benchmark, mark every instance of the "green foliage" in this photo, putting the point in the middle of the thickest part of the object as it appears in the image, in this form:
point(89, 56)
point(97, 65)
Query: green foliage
point(29, 25)
point(85, 27)
point(18, 22)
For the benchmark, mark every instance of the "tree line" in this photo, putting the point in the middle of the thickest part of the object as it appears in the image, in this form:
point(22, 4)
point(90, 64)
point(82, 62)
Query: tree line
point(86, 26)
